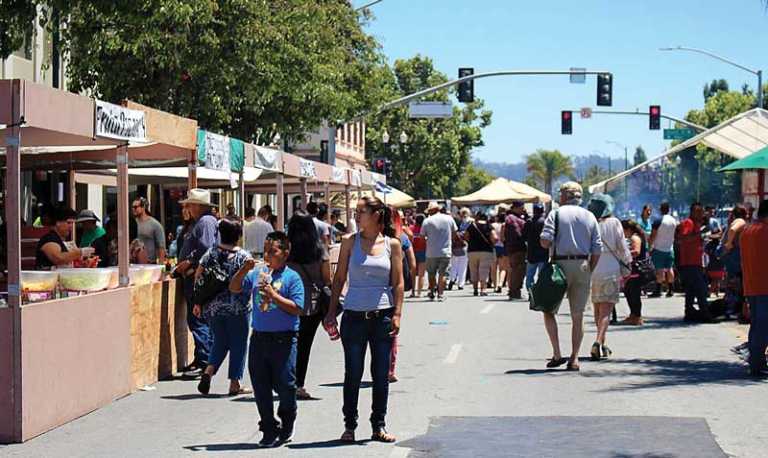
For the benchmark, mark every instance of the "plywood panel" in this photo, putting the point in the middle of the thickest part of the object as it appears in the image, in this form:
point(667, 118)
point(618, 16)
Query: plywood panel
point(5, 101)
point(58, 110)
point(75, 358)
point(167, 128)
point(160, 341)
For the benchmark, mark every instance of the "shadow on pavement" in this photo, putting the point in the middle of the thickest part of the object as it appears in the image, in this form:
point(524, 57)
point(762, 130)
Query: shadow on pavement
point(365, 384)
point(326, 444)
point(534, 371)
point(190, 396)
point(223, 447)
point(657, 323)
point(663, 373)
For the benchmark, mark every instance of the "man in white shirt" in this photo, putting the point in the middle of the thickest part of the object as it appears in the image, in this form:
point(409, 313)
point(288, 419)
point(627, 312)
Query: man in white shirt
point(662, 250)
point(255, 231)
point(439, 230)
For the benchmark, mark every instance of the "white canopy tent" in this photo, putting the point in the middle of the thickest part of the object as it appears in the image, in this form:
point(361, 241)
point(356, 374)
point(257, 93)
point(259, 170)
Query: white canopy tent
point(737, 137)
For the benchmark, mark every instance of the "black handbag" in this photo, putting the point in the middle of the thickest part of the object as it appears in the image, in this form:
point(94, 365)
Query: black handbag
point(213, 281)
point(644, 269)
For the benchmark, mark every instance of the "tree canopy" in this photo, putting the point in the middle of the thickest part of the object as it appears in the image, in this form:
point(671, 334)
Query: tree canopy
point(438, 151)
point(546, 166)
point(247, 68)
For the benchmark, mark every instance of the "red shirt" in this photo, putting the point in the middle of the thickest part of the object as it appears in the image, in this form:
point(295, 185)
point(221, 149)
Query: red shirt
point(690, 243)
point(754, 247)
point(419, 242)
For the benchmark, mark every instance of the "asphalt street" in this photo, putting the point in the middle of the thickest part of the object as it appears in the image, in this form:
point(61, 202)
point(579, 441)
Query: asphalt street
point(472, 383)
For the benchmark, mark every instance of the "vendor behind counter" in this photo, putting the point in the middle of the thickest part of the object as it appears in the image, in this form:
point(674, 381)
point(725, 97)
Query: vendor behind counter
point(94, 236)
point(51, 249)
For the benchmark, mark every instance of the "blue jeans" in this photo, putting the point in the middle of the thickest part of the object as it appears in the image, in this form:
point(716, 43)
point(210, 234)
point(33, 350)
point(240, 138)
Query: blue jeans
point(357, 333)
point(272, 365)
point(695, 285)
point(201, 334)
point(531, 272)
point(758, 332)
point(230, 335)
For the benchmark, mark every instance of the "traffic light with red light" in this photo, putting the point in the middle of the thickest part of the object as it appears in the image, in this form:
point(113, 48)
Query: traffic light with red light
point(605, 90)
point(654, 117)
point(467, 88)
point(379, 165)
point(566, 123)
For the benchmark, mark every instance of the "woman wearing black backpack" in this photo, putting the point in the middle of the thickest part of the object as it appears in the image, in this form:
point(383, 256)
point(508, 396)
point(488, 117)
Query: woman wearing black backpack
point(227, 313)
point(311, 261)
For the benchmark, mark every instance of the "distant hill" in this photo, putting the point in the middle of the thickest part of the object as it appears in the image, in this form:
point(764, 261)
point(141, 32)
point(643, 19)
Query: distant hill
point(517, 170)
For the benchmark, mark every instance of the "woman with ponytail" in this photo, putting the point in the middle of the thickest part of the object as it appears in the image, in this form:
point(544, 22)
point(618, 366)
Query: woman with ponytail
point(373, 259)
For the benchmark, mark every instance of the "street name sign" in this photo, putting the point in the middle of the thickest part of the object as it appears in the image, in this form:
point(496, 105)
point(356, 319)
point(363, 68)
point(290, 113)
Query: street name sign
point(430, 110)
point(679, 134)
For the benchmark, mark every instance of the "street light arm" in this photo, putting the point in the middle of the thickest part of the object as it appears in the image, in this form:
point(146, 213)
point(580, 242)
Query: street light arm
point(368, 5)
point(712, 55)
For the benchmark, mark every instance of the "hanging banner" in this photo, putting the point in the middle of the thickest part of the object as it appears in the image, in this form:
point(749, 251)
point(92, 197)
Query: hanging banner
point(308, 169)
point(114, 121)
point(355, 178)
point(267, 158)
point(217, 151)
point(339, 175)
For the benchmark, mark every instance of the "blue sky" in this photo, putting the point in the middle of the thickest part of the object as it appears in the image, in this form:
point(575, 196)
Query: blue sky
point(620, 36)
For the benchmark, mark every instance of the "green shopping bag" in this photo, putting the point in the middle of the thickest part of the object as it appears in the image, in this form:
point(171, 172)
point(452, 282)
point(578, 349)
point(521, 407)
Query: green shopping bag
point(550, 287)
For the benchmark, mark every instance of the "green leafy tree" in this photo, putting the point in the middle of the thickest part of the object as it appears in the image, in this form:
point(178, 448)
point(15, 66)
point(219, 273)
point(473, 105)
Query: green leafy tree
point(247, 68)
point(471, 180)
point(546, 166)
point(438, 151)
point(640, 155)
point(714, 87)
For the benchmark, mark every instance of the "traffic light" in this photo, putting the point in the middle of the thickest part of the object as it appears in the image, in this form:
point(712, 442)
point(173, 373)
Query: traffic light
point(379, 165)
point(605, 90)
point(466, 88)
point(654, 117)
point(566, 123)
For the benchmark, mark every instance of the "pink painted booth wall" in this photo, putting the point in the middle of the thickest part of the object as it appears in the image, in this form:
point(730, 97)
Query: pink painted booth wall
point(75, 359)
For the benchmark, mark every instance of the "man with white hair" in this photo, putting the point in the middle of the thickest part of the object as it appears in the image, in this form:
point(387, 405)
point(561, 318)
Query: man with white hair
point(439, 230)
point(573, 233)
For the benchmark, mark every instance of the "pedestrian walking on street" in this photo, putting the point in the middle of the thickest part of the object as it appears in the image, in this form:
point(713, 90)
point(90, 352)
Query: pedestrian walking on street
point(227, 313)
point(409, 266)
point(278, 298)
point(203, 235)
point(459, 258)
point(536, 255)
point(373, 260)
point(691, 244)
point(312, 262)
point(645, 220)
point(420, 252)
point(481, 238)
point(606, 276)
point(578, 247)
point(514, 243)
point(754, 243)
point(662, 250)
point(730, 253)
point(439, 230)
point(634, 283)
point(501, 265)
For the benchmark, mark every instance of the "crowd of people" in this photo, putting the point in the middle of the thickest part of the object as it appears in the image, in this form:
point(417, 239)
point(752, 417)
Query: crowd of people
point(246, 279)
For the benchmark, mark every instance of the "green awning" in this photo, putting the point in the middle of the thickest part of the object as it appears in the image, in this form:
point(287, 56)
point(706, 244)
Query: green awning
point(757, 160)
point(212, 146)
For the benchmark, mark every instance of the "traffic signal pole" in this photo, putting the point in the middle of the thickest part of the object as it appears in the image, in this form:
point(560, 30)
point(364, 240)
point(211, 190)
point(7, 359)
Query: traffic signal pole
point(416, 95)
point(694, 126)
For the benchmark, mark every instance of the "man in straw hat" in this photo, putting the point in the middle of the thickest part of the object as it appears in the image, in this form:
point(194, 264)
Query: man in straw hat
point(577, 246)
point(204, 235)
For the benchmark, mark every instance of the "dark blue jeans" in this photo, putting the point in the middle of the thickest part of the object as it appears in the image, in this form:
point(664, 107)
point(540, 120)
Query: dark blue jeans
point(356, 334)
point(201, 334)
point(695, 285)
point(758, 332)
point(272, 365)
point(230, 335)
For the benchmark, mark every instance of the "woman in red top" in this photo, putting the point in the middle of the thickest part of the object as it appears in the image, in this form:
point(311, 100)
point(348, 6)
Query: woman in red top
point(420, 251)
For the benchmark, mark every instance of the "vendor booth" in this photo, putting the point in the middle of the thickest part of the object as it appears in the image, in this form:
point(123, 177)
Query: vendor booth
point(99, 333)
point(502, 191)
